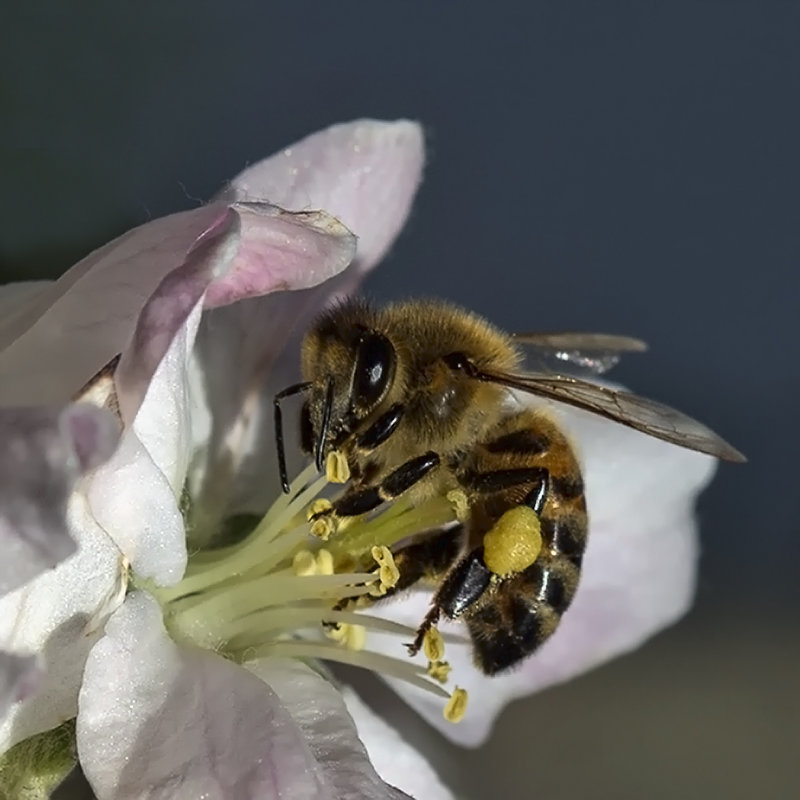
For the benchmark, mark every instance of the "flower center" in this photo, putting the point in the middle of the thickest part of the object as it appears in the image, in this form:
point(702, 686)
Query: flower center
point(288, 588)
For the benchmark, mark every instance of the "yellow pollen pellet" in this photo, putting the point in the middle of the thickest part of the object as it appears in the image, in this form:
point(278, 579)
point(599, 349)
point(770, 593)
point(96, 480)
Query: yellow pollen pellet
point(514, 541)
point(304, 563)
point(459, 502)
point(337, 470)
point(433, 645)
point(439, 671)
point(456, 706)
point(389, 573)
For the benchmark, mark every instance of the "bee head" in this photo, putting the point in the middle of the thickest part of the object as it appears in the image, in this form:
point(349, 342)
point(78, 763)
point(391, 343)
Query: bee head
point(350, 366)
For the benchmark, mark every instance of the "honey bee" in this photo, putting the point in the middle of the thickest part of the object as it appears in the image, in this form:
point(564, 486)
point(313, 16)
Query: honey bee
point(416, 397)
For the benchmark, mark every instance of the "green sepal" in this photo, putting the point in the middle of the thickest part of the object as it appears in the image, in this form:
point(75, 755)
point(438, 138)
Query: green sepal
point(33, 768)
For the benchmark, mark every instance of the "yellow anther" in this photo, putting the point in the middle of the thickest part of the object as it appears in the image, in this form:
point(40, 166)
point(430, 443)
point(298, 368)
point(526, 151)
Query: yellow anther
point(324, 562)
point(433, 645)
point(514, 542)
point(456, 706)
point(319, 506)
point(378, 589)
point(459, 502)
point(304, 563)
point(337, 470)
point(389, 574)
point(323, 527)
point(353, 637)
point(439, 671)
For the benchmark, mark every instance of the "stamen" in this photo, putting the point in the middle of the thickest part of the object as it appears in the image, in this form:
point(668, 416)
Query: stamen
point(439, 670)
point(307, 563)
point(389, 574)
point(376, 662)
point(354, 637)
point(304, 563)
point(337, 469)
point(456, 706)
point(433, 644)
point(325, 525)
point(271, 592)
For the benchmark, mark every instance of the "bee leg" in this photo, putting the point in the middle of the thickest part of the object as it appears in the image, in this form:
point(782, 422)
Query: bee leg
point(425, 561)
point(381, 429)
point(501, 479)
point(359, 501)
point(464, 584)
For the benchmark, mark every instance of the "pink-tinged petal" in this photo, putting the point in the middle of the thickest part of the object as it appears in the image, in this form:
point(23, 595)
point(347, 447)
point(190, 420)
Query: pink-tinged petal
point(59, 616)
point(254, 249)
point(159, 721)
point(320, 713)
point(20, 677)
point(82, 320)
point(135, 496)
point(365, 173)
point(395, 760)
point(638, 573)
point(15, 301)
point(79, 323)
point(44, 452)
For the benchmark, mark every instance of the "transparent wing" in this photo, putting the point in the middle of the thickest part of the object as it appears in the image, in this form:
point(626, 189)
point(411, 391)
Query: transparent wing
point(640, 413)
point(590, 353)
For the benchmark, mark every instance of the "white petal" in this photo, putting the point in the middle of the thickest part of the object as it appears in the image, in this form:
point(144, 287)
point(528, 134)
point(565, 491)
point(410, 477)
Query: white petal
point(135, 496)
point(58, 616)
point(396, 761)
point(44, 452)
point(160, 721)
point(638, 573)
point(320, 713)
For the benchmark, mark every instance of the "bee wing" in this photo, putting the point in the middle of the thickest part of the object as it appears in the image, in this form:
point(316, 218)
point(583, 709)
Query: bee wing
point(640, 413)
point(592, 353)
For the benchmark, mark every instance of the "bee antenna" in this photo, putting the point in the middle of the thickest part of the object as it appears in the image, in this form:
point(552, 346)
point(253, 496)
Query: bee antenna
point(326, 421)
point(294, 389)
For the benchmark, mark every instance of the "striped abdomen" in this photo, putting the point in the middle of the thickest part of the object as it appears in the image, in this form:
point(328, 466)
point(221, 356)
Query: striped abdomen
point(526, 459)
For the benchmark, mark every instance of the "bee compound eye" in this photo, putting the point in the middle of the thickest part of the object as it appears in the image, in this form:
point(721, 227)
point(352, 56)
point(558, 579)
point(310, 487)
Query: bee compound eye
point(375, 363)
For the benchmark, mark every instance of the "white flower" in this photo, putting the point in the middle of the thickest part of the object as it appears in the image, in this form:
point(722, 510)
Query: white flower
point(204, 346)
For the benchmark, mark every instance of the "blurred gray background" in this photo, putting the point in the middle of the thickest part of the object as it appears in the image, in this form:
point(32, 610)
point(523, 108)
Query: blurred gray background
point(625, 166)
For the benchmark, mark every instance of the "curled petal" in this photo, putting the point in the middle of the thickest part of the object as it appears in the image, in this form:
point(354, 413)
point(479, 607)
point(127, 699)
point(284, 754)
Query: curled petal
point(159, 721)
point(319, 711)
point(44, 452)
point(74, 326)
point(252, 249)
point(637, 577)
point(365, 173)
point(78, 323)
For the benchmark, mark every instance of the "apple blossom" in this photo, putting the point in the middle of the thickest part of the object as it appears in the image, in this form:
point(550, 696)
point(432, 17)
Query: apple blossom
point(182, 635)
